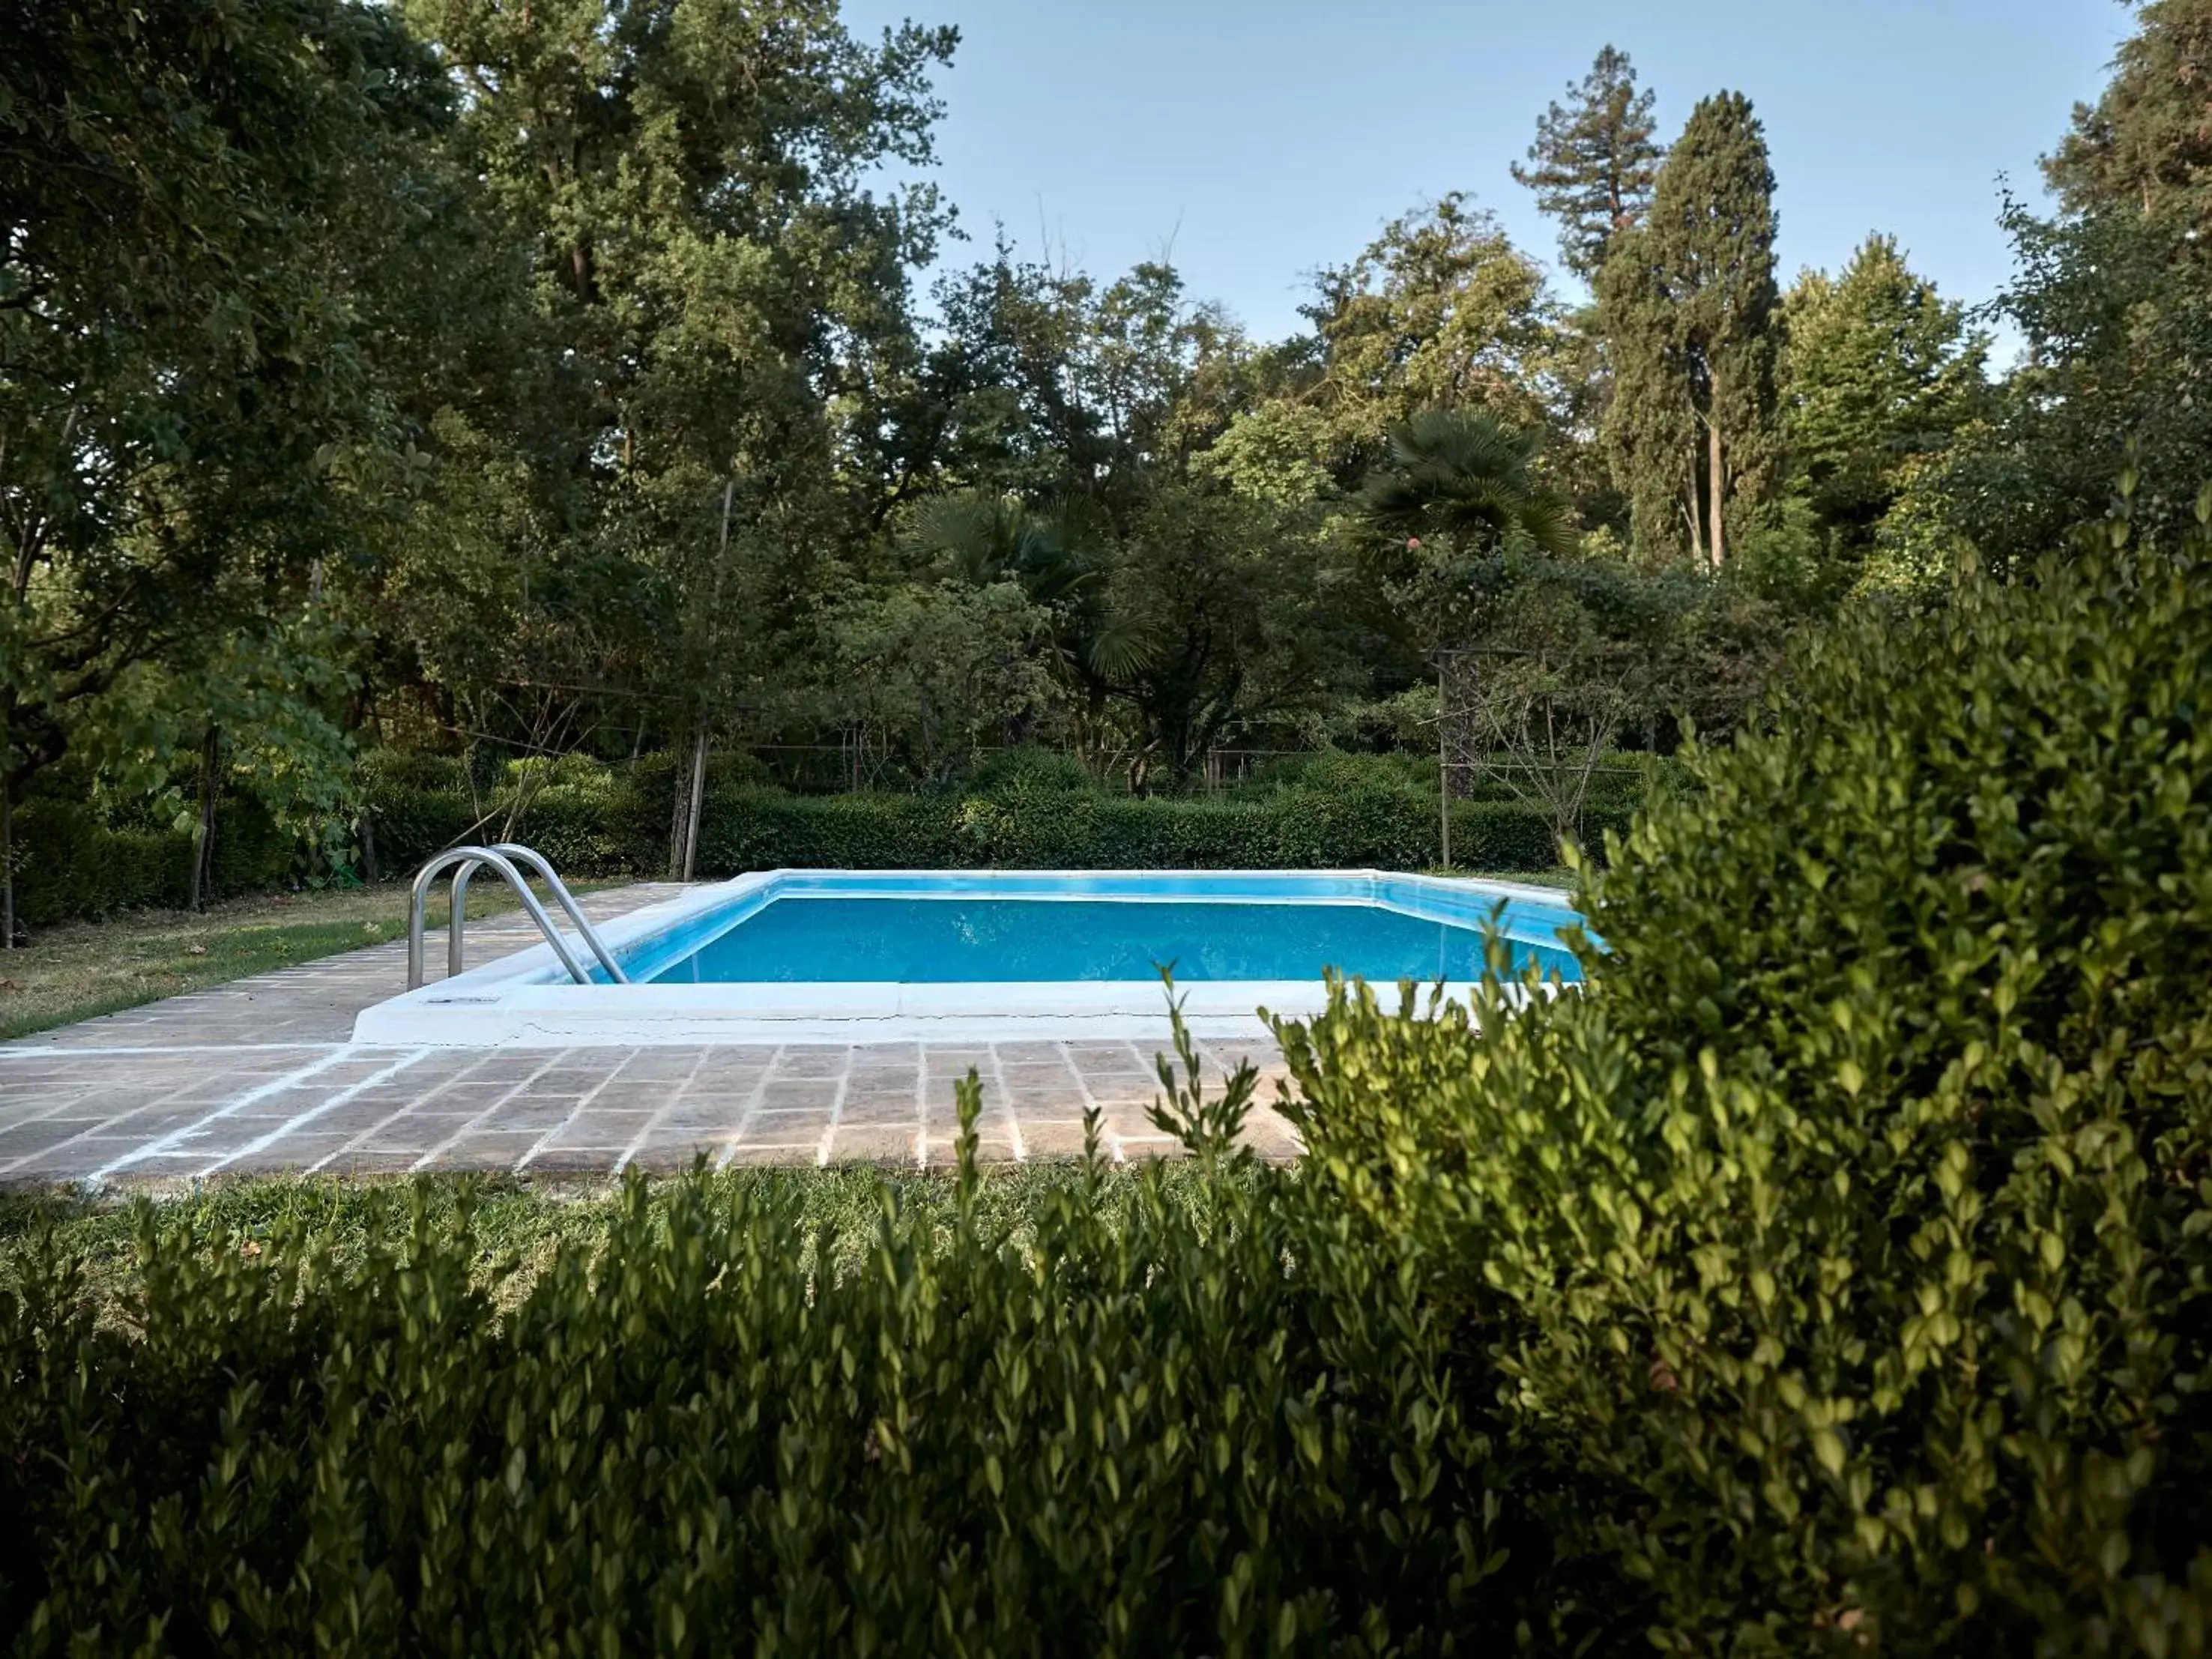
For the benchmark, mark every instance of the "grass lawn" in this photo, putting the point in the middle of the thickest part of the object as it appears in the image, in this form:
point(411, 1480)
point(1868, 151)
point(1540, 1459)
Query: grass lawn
point(82, 968)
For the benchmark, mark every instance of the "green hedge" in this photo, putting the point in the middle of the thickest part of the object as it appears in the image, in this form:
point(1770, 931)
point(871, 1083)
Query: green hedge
point(619, 826)
point(600, 820)
point(1846, 1254)
point(68, 865)
point(1160, 1425)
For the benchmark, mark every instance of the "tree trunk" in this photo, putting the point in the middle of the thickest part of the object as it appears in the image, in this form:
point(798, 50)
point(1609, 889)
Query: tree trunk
point(203, 855)
point(7, 855)
point(368, 846)
point(698, 798)
point(1690, 511)
point(691, 787)
point(1458, 741)
point(1716, 476)
point(1443, 797)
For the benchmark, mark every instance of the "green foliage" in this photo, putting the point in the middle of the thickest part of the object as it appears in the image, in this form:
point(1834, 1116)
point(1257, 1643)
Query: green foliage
point(1027, 810)
point(190, 424)
point(1020, 771)
point(1845, 1250)
point(1687, 304)
point(1160, 1425)
point(70, 865)
point(937, 672)
point(1456, 500)
point(1223, 600)
point(2143, 147)
point(1440, 312)
point(1512, 835)
point(1595, 161)
point(1881, 370)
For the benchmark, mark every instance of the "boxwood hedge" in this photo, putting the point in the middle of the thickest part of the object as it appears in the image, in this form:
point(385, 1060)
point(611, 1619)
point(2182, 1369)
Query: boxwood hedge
point(68, 864)
point(1847, 1252)
point(1028, 809)
point(618, 825)
point(1159, 1426)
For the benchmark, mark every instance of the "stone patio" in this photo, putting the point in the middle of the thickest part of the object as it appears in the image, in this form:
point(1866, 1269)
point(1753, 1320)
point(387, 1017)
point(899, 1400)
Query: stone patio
point(261, 1076)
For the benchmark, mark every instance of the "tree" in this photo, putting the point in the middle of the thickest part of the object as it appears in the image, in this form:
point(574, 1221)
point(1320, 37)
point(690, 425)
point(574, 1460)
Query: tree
point(1594, 163)
point(1440, 312)
point(726, 296)
point(1689, 307)
point(1219, 625)
point(1451, 513)
point(998, 406)
point(191, 428)
point(1879, 370)
point(2113, 298)
point(2146, 143)
point(929, 673)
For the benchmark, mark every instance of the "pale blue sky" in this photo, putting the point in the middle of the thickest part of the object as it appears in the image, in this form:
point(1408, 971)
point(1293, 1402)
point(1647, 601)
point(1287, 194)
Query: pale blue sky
point(1266, 139)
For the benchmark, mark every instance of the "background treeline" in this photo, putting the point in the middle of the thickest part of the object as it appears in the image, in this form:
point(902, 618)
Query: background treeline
point(516, 384)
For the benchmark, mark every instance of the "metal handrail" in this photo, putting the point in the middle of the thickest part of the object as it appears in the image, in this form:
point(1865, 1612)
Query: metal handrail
point(537, 861)
point(472, 856)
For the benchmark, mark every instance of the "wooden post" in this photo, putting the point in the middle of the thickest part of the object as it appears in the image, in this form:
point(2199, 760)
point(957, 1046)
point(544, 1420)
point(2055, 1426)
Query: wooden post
point(7, 854)
point(698, 794)
point(203, 855)
point(1443, 778)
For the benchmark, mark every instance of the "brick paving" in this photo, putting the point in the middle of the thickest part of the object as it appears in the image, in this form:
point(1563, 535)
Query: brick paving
point(261, 1076)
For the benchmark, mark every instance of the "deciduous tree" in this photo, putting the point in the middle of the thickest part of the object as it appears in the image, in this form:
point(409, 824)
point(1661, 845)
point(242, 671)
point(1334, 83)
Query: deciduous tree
point(191, 428)
point(1881, 368)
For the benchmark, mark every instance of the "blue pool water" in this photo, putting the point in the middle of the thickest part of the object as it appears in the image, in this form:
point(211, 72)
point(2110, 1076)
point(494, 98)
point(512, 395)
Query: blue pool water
point(961, 940)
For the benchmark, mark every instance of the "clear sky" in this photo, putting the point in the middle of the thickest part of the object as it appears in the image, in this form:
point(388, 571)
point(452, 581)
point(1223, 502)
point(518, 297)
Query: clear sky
point(1260, 139)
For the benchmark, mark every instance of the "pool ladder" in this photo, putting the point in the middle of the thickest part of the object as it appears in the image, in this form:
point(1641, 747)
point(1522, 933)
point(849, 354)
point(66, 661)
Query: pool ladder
point(501, 857)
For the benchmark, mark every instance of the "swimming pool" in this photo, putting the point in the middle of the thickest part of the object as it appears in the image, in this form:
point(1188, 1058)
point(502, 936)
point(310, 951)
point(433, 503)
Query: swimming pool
point(861, 955)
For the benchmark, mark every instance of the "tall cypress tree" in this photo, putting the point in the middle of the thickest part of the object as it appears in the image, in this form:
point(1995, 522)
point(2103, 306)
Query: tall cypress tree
point(1593, 162)
point(1689, 306)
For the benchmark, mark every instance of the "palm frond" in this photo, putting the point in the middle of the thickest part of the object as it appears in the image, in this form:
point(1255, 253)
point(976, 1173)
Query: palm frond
point(1121, 648)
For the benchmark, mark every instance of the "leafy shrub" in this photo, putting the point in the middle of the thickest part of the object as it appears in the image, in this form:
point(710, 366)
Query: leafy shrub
point(1129, 834)
point(410, 823)
point(68, 865)
point(396, 769)
point(1357, 823)
point(1168, 1432)
point(1031, 770)
point(1500, 835)
point(1846, 1256)
point(761, 829)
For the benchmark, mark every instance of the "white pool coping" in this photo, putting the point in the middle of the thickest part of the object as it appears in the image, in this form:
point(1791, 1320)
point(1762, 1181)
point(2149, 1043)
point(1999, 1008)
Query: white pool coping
point(524, 1000)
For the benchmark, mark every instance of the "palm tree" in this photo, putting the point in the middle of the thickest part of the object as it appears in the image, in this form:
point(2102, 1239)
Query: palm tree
point(1459, 517)
point(1464, 478)
point(983, 537)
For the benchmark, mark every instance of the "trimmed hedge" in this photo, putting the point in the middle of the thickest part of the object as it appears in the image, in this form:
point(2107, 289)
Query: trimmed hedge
point(620, 826)
point(1161, 1426)
point(591, 819)
point(68, 865)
